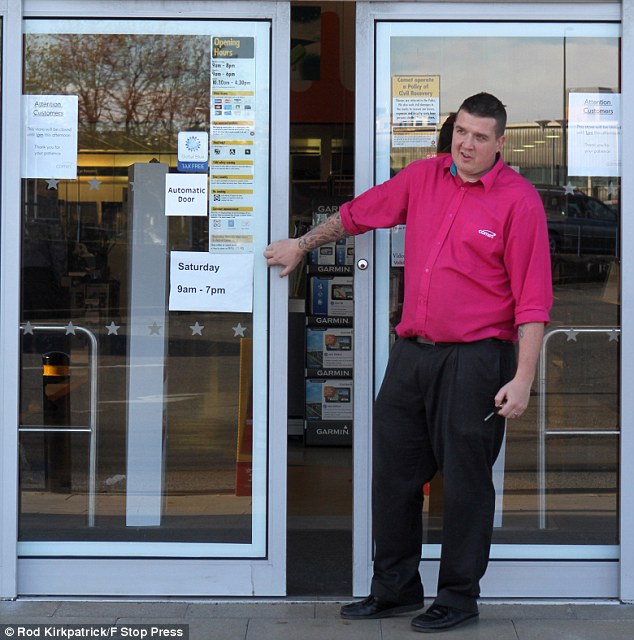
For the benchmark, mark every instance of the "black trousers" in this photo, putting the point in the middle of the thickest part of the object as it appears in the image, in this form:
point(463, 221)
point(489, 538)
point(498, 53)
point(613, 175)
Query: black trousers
point(429, 415)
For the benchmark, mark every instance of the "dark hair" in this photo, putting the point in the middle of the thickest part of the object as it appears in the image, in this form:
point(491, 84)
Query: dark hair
point(484, 105)
point(445, 135)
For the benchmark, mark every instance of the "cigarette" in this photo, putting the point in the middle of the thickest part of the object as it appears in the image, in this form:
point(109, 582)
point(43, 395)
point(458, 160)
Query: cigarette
point(490, 416)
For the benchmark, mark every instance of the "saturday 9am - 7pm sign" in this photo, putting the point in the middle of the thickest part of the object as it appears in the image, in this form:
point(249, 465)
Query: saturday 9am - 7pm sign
point(201, 281)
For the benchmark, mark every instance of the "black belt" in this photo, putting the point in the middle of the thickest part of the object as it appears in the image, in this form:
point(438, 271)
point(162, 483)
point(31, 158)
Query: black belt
point(431, 343)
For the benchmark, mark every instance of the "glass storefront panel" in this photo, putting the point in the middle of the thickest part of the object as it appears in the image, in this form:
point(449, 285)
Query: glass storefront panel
point(144, 316)
point(557, 476)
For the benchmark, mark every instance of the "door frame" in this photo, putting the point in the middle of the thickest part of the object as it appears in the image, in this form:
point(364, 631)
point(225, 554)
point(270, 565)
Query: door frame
point(161, 576)
point(574, 578)
point(10, 11)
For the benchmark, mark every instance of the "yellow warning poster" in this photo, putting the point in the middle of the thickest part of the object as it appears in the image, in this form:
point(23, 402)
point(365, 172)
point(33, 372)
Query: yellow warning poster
point(415, 100)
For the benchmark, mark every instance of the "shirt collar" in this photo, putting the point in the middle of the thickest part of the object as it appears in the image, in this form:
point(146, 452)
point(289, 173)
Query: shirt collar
point(487, 179)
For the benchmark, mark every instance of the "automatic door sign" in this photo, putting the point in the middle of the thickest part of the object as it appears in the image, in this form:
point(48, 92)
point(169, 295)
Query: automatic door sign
point(186, 194)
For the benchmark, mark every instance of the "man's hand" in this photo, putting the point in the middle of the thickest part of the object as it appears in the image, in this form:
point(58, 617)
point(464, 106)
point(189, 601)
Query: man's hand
point(286, 253)
point(289, 253)
point(512, 399)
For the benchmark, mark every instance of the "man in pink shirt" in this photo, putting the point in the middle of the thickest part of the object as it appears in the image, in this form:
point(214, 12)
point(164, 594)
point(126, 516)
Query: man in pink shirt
point(477, 280)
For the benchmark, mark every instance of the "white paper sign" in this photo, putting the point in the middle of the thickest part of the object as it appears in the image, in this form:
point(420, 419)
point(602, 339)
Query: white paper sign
point(49, 137)
point(403, 137)
point(201, 281)
point(231, 234)
point(397, 236)
point(186, 194)
point(594, 134)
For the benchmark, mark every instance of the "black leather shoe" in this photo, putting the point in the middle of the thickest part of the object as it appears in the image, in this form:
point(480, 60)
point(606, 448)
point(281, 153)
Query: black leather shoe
point(374, 608)
point(440, 618)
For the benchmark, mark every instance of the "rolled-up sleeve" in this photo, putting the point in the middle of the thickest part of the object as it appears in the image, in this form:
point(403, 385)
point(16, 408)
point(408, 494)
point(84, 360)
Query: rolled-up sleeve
point(528, 263)
point(380, 207)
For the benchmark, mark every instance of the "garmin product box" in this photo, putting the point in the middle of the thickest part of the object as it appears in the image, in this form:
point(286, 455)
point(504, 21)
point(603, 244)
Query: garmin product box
point(329, 352)
point(331, 296)
point(322, 255)
point(329, 253)
point(328, 433)
point(344, 251)
point(329, 399)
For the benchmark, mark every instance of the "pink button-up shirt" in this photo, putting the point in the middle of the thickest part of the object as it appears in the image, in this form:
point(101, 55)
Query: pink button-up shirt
point(477, 262)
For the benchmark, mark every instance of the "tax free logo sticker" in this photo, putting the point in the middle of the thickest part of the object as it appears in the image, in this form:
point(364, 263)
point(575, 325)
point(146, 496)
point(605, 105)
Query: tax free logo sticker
point(193, 151)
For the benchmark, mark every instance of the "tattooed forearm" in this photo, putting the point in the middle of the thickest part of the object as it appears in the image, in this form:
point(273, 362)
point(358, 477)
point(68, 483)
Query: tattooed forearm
point(520, 331)
point(328, 231)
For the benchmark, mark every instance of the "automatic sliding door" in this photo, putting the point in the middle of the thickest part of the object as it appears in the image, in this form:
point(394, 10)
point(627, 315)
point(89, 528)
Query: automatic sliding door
point(144, 329)
point(557, 479)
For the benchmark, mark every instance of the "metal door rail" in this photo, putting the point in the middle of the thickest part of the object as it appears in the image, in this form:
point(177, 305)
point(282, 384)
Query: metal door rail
point(91, 427)
point(543, 432)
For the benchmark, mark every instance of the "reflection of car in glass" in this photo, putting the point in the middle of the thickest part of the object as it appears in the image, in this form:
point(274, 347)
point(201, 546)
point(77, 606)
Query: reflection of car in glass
point(578, 223)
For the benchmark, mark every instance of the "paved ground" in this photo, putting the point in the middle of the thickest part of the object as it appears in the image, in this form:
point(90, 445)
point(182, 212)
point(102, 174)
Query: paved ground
point(310, 620)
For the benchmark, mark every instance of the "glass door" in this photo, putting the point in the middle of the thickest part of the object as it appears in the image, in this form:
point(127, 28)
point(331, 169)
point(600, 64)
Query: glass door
point(144, 438)
point(557, 476)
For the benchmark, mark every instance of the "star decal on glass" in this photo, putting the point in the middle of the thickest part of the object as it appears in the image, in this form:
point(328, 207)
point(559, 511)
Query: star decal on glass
point(113, 329)
point(613, 335)
point(70, 328)
point(569, 189)
point(28, 329)
point(52, 183)
point(95, 184)
point(572, 335)
point(155, 329)
point(238, 330)
point(197, 329)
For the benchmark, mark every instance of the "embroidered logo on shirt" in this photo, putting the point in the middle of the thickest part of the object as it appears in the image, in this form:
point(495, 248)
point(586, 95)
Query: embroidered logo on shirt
point(487, 233)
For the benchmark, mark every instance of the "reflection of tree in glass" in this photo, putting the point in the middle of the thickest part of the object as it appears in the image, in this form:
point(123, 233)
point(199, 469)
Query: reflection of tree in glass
point(135, 91)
